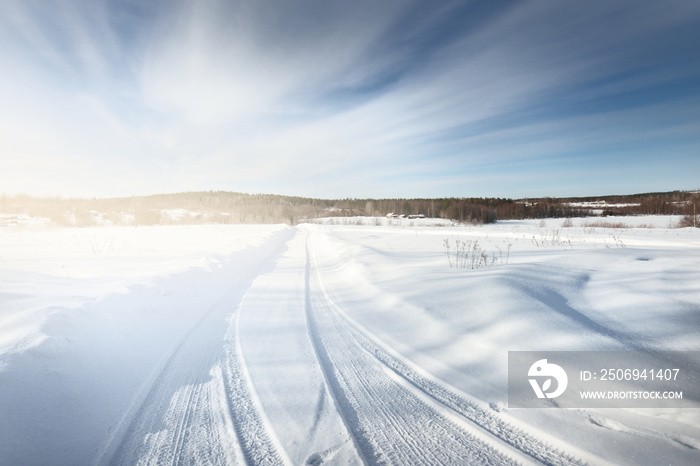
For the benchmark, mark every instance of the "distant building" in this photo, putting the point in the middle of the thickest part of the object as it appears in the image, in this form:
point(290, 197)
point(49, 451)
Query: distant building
point(393, 215)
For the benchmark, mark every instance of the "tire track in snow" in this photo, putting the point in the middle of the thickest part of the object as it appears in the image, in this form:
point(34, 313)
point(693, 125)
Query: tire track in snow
point(428, 385)
point(198, 437)
point(389, 423)
point(256, 438)
point(178, 423)
point(180, 431)
point(285, 373)
point(319, 411)
point(326, 366)
point(186, 427)
point(180, 419)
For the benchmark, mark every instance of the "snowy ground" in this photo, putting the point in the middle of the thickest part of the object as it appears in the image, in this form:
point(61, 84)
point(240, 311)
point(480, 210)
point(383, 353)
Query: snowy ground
point(350, 341)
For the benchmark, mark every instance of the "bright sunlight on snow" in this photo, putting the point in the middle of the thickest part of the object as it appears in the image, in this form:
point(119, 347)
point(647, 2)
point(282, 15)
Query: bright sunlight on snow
point(346, 341)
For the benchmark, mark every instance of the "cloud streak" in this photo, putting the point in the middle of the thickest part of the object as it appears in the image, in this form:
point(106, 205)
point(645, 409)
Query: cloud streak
point(336, 99)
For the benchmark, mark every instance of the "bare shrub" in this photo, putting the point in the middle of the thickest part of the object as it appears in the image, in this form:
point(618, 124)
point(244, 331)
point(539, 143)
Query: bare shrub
point(616, 242)
point(500, 253)
point(605, 224)
point(689, 221)
point(470, 254)
point(551, 238)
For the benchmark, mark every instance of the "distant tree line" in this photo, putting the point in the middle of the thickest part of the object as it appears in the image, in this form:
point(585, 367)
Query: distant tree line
point(663, 203)
point(488, 210)
point(471, 210)
point(162, 209)
point(231, 207)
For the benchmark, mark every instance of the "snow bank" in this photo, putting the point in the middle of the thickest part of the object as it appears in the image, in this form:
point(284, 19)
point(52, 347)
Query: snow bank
point(322, 342)
point(543, 287)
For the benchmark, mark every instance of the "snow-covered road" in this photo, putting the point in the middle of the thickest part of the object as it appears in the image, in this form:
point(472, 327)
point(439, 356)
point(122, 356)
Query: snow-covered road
point(345, 396)
point(323, 344)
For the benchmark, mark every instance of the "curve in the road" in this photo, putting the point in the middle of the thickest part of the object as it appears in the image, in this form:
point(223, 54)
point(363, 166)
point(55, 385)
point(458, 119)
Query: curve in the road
point(389, 423)
point(347, 330)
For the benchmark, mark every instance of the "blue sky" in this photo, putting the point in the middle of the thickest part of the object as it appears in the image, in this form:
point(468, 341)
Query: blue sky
point(341, 99)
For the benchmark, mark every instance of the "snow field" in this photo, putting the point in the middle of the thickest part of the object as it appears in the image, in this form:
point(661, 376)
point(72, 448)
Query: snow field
point(643, 295)
point(93, 359)
point(341, 343)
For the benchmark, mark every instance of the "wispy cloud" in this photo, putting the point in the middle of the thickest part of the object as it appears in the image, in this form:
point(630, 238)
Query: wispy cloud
point(347, 98)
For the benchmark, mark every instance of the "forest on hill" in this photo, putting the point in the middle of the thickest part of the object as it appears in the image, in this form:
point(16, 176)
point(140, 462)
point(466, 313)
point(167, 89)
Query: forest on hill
point(231, 207)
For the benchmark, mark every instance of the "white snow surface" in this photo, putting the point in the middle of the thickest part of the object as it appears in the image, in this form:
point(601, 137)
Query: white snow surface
point(348, 341)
